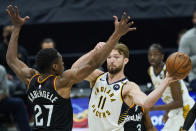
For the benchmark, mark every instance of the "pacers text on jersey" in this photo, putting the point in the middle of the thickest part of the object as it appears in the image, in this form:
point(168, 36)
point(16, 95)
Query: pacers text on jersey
point(109, 94)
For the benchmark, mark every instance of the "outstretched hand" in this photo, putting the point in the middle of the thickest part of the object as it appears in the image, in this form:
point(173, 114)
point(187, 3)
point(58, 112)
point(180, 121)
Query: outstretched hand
point(16, 19)
point(172, 78)
point(124, 25)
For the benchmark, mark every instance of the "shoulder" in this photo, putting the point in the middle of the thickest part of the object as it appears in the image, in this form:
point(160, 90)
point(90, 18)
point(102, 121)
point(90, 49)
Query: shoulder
point(149, 70)
point(29, 73)
point(189, 34)
point(131, 85)
point(2, 69)
point(66, 79)
point(94, 75)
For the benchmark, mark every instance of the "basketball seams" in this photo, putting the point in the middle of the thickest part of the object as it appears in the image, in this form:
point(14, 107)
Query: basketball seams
point(178, 64)
point(187, 69)
point(185, 72)
point(182, 64)
point(169, 64)
point(174, 64)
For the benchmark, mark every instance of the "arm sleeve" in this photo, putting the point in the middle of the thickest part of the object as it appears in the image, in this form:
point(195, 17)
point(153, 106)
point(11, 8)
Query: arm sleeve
point(185, 47)
point(190, 118)
point(3, 81)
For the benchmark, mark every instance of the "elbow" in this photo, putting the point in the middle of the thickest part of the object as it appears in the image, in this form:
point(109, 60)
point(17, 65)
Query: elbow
point(147, 107)
point(11, 59)
point(8, 59)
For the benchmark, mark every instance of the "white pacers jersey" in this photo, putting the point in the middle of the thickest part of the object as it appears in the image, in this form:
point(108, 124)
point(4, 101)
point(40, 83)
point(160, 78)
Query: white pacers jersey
point(188, 102)
point(104, 112)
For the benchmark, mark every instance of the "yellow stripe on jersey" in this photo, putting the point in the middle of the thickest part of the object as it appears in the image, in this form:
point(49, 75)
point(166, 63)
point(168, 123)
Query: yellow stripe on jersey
point(132, 105)
point(31, 80)
point(97, 79)
point(186, 109)
point(143, 109)
point(149, 71)
point(121, 90)
point(54, 83)
point(38, 80)
point(123, 116)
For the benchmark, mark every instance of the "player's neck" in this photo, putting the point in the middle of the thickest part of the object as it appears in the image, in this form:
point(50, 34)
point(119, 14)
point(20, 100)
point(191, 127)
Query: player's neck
point(115, 77)
point(158, 68)
point(44, 75)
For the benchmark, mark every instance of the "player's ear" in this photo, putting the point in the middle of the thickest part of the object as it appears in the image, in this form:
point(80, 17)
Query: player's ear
point(54, 67)
point(126, 60)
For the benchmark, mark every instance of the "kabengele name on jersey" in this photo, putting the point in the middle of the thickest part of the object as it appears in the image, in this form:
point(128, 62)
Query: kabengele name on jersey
point(43, 94)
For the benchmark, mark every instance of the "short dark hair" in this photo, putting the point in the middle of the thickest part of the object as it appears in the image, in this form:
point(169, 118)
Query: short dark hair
point(48, 40)
point(158, 47)
point(45, 58)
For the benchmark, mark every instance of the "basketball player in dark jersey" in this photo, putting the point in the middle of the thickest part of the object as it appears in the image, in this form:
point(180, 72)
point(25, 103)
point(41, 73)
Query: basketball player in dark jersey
point(189, 121)
point(144, 122)
point(49, 89)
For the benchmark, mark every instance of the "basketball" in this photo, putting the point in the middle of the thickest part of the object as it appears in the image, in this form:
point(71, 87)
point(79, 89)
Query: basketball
point(178, 64)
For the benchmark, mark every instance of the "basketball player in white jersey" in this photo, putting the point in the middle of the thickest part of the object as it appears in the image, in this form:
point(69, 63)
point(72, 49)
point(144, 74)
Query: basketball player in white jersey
point(176, 97)
point(113, 96)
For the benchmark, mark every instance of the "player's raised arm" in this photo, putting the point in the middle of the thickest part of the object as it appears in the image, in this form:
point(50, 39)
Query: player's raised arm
point(92, 77)
point(139, 98)
point(20, 68)
point(95, 58)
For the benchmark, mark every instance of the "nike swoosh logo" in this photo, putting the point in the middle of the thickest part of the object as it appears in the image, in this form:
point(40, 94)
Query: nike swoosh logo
point(102, 80)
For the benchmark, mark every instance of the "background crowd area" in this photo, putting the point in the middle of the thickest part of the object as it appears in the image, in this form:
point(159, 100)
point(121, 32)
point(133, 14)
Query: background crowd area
point(75, 27)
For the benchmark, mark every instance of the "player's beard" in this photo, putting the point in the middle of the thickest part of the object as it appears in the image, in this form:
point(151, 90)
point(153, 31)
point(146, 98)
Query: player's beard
point(114, 70)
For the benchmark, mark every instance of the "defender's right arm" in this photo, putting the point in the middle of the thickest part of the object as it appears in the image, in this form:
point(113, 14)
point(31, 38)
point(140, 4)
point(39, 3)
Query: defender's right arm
point(95, 58)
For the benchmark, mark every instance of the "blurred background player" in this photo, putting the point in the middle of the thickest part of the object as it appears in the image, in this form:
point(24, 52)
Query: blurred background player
point(176, 97)
point(10, 105)
point(48, 43)
point(187, 45)
point(16, 84)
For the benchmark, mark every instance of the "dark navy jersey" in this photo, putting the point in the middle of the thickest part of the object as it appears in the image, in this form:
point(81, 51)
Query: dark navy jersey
point(134, 120)
point(50, 110)
point(132, 117)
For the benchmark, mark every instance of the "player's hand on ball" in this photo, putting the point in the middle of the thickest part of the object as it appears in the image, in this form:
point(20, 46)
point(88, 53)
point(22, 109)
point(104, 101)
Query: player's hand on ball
point(171, 78)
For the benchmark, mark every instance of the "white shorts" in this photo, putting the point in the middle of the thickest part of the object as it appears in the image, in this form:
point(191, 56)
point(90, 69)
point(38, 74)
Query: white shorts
point(175, 121)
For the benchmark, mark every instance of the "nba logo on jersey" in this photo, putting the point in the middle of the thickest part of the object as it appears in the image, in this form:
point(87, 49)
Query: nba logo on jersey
point(40, 86)
point(116, 86)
